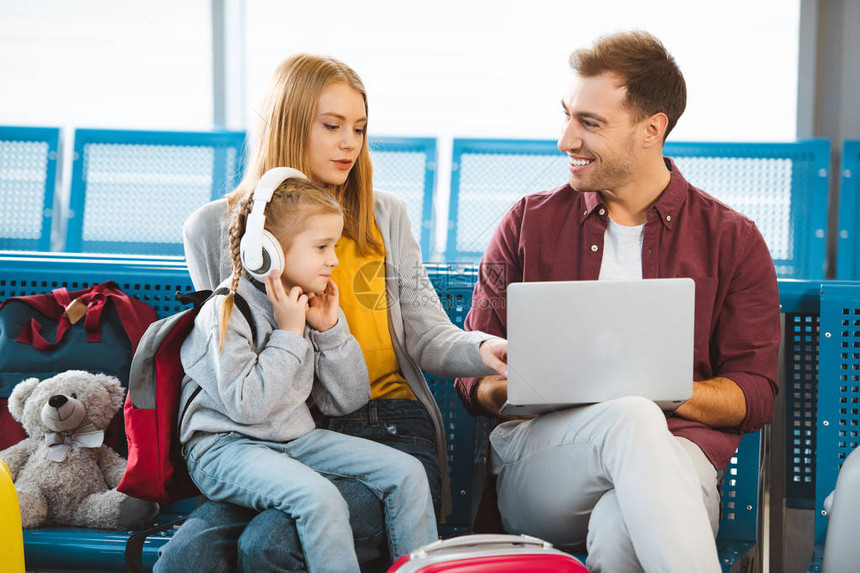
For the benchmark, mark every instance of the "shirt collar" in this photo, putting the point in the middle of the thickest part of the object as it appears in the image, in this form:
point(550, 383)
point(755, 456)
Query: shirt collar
point(670, 201)
point(667, 206)
point(592, 202)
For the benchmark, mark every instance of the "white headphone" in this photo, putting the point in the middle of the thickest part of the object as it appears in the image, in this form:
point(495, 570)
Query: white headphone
point(260, 251)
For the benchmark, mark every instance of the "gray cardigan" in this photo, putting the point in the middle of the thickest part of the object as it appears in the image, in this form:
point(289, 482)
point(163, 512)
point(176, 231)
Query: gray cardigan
point(423, 336)
point(260, 387)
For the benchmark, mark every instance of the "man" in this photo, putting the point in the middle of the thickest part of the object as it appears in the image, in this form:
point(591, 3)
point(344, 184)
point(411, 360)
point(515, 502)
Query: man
point(634, 486)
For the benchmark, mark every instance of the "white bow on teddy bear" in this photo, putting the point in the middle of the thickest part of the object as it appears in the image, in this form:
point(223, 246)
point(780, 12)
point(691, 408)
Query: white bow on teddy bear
point(60, 443)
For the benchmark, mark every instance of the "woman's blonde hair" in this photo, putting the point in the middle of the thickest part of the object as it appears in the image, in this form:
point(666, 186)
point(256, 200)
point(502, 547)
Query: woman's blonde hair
point(292, 203)
point(286, 120)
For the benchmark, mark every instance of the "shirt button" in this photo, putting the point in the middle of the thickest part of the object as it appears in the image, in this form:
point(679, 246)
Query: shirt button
point(668, 217)
point(602, 211)
point(585, 212)
point(593, 248)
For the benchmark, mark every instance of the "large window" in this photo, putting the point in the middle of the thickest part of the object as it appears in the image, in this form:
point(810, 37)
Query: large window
point(98, 63)
point(497, 69)
point(445, 68)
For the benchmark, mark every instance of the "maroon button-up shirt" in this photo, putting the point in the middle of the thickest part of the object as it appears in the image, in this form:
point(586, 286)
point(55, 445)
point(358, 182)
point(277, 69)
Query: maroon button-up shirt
point(558, 235)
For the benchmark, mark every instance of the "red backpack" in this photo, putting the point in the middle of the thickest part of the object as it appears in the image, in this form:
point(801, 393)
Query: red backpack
point(156, 470)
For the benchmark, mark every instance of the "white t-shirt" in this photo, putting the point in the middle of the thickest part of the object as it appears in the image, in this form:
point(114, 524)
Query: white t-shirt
point(622, 252)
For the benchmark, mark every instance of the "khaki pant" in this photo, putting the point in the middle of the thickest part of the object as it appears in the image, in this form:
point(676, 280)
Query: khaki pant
point(609, 478)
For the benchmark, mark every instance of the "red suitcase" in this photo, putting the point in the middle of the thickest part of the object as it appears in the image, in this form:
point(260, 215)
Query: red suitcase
point(488, 553)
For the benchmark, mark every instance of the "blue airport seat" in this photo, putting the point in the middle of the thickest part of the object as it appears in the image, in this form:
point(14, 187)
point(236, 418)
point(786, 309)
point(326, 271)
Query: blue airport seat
point(406, 167)
point(738, 528)
point(782, 186)
point(800, 301)
point(848, 253)
point(821, 360)
point(131, 191)
point(466, 435)
point(28, 173)
point(487, 177)
point(838, 411)
point(153, 281)
point(81, 549)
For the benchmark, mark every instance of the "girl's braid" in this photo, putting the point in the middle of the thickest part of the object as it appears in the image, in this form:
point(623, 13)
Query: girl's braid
point(234, 234)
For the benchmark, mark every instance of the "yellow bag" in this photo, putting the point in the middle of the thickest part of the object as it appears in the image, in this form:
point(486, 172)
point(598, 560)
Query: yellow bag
point(11, 538)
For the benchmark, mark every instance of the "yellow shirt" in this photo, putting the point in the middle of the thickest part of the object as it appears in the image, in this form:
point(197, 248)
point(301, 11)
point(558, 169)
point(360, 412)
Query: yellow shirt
point(361, 283)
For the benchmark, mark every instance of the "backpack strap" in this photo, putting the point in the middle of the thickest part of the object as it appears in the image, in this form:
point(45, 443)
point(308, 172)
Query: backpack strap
point(243, 307)
point(198, 299)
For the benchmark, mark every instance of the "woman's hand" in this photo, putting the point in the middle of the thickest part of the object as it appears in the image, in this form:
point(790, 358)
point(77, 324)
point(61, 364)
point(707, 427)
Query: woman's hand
point(494, 353)
point(290, 308)
point(323, 312)
point(492, 391)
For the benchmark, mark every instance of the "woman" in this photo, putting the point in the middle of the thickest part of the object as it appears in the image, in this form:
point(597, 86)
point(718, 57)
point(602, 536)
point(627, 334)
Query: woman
point(315, 120)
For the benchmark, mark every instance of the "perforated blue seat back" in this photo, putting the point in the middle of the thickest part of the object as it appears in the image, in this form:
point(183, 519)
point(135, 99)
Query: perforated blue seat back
point(406, 167)
point(848, 253)
point(838, 411)
point(152, 281)
point(488, 176)
point(781, 186)
point(132, 190)
point(28, 169)
point(800, 301)
point(740, 491)
point(466, 435)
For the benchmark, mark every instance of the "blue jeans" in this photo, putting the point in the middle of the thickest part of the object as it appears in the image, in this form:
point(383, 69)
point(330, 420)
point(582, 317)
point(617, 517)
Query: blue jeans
point(223, 538)
point(402, 424)
point(287, 476)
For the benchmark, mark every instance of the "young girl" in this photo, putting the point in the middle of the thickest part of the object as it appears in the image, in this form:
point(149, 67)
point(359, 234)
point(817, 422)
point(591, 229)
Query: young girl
point(249, 436)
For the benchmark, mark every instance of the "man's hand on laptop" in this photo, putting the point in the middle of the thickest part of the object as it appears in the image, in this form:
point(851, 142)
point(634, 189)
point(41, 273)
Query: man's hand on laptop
point(492, 393)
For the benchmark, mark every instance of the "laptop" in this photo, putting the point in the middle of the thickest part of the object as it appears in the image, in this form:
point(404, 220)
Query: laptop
point(572, 343)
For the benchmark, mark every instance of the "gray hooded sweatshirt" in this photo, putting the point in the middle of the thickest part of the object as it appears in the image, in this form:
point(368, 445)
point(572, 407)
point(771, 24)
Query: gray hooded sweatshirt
point(261, 389)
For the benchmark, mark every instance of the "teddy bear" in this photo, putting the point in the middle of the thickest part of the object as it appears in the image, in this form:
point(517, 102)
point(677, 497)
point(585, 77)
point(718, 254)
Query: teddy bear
point(63, 473)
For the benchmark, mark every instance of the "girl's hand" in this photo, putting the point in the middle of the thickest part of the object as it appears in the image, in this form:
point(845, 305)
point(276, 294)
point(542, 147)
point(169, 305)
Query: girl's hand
point(323, 312)
point(290, 308)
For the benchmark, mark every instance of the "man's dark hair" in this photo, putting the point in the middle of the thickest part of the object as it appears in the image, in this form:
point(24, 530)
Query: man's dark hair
point(653, 80)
